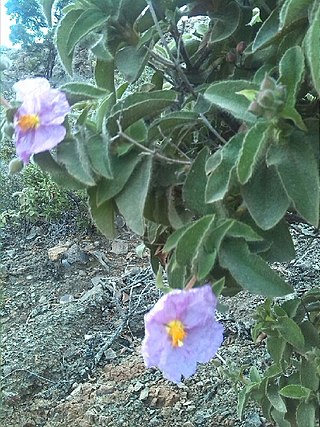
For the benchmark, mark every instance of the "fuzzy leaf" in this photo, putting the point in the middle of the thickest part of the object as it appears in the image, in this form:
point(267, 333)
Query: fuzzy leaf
point(224, 95)
point(89, 20)
point(195, 185)
point(293, 10)
point(58, 172)
point(131, 61)
point(47, 10)
point(295, 391)
point(290, 332)
point(99, 156)
point(291, 70)
point(73, 154)
point(77, 92)
point(221, 167)
point(225, 22)
point(137, 106)
point(62, 35)
point(191, 239)
point(102, 215)
point(132, 198)
point(265, 197)
point(252, 150)
point(312, 43)
point(306, 414)
point(299, 173)
point(122, 167)
point(250, 271)
point(267, 31)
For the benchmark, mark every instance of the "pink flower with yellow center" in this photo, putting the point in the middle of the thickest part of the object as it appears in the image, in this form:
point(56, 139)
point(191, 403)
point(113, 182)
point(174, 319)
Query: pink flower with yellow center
point(38, 121)
point(180, 331)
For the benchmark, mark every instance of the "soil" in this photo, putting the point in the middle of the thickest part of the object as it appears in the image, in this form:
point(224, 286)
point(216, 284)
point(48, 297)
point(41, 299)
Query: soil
point(72, 315)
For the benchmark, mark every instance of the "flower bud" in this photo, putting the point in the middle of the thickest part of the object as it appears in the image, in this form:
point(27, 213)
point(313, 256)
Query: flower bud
point(231, 57)
point(15, 166)
point(255, 108)
point(265, 99)
point(241, 47)
point(268, 83)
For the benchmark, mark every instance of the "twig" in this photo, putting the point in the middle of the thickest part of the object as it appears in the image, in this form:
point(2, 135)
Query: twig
point(29, 372)
point(147, 150)
point(211, 128)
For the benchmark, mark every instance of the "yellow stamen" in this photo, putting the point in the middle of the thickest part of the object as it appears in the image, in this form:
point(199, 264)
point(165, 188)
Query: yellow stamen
point(176, 331)
point(29, 121)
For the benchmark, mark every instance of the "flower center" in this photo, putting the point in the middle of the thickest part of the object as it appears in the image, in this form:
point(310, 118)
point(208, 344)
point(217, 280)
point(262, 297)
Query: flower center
point(176, 331)
point(29, 121)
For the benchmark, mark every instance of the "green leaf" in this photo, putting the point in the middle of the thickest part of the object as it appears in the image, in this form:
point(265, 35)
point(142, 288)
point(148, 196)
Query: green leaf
point(195, 185)
point(240, 229)
point(299, 173)
point(217, 286)
point(77, 92)
point(225, 22)
point(277, 245)
point(98, 151)
point(306, 414)
point(252, 150)
point(62, 35)
point(47, 10)
point(58, 172)
point(172, 121)
point(203, 263)
point(221, 167)
point(308, 375)
point(250, 271)
point(132, 198)
point(73, 154)
point(122, 168)
point(177, 274)
point(137, 106)
point(275, 398)
point(291, 113)
point(89, 20)
point(312, 43)
point(279, 418)
point(291, 69)
point(311, 335)
point(267, 31)
point(295, 391)
point(293, 10)
point(102, 215)
point(173, 239)
point(104, 74)
point(265, 197)
point(225, 95)
point(191, 239)
point(131, 61)
point(290, 332)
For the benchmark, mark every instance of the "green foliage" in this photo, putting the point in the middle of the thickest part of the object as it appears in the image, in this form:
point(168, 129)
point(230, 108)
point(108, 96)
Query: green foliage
point(206, 157)
point(289, 389)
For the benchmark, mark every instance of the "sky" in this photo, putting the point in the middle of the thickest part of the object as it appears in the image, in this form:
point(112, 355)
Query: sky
point(4, 25)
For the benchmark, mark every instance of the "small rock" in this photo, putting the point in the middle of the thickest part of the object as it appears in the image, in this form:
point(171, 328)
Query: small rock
point(76, 254)
point(110, 354)
point(144, 393)
point(65, 299)
point(188, 424)
point(29, 277)
point(253, 420)
point(120, 247)
point(56, 252)
point(94, 293)
point(138, 386)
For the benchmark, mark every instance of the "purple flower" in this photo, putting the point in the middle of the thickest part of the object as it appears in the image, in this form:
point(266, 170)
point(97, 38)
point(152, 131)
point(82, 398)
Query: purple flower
point(38, 121)
point(181, 330)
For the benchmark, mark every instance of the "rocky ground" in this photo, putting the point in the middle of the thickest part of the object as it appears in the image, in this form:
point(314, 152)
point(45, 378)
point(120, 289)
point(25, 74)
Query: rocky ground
point(72, 315)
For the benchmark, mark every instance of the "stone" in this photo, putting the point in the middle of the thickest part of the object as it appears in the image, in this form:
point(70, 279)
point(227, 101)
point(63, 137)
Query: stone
point(76, 255)
point(120, 247)
point(56, 252)
point(144, 393)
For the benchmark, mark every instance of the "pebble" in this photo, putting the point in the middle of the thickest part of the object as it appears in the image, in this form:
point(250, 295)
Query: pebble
point(119, 247)
point(144, 393)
